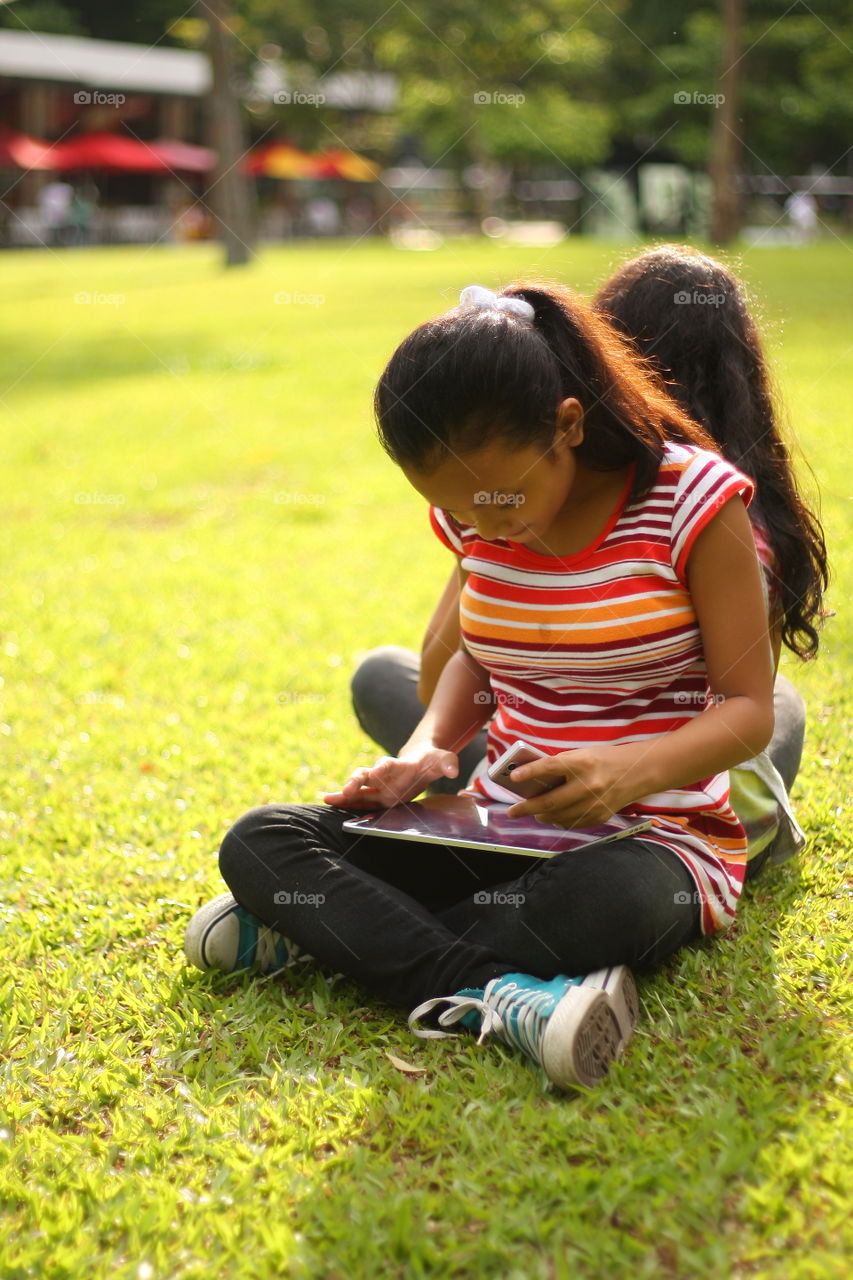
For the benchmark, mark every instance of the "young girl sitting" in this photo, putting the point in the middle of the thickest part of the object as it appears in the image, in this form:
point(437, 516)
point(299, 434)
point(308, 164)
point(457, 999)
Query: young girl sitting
point(612, 615)
point(689, 317)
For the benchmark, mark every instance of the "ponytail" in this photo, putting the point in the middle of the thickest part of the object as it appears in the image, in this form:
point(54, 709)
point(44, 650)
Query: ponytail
point(628, 415)
point(476, 375)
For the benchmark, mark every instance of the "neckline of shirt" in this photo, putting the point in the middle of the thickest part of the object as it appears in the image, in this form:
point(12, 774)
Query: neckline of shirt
point(538, 557)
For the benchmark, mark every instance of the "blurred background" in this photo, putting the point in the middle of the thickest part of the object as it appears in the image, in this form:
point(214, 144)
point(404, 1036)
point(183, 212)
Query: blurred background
point(257, 121)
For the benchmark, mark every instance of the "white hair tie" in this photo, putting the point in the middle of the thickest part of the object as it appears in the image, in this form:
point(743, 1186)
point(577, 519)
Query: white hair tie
point(479, 298)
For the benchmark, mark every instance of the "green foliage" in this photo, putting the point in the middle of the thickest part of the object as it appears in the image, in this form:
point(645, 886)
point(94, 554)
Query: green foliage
point(593, 76)
point(42, 15)
point(547, 126)
point(794, 113)
point(200, 536)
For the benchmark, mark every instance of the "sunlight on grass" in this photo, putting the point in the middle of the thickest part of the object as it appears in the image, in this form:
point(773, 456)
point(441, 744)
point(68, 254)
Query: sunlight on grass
point(201, 536)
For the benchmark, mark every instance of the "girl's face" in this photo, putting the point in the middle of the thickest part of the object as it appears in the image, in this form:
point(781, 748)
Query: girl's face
point(515, 494)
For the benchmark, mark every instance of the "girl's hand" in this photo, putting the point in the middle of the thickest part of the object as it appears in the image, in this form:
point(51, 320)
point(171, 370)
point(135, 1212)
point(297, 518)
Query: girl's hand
point(394, 779)
point(593, 789)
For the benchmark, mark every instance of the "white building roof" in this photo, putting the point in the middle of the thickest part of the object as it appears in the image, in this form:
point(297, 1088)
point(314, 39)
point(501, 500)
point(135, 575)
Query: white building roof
point(103, 64)
point(139, 68)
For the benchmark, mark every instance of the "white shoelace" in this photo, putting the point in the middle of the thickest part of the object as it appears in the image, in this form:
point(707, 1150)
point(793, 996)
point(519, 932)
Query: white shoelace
point(459, 1006)
point(527, 1022)
point(265, 953)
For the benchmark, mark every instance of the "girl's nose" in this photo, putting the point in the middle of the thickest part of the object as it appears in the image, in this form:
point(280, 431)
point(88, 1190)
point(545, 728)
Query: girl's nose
point(496, 524)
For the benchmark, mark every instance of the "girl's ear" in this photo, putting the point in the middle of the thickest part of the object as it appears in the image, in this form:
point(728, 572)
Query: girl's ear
point(569, 425)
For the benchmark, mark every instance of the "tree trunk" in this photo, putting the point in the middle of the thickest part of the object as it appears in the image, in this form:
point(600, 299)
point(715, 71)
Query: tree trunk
point(725, 140)
point(230, 196)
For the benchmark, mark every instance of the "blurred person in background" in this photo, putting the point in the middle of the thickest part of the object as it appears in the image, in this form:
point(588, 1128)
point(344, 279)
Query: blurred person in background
point(55, 202)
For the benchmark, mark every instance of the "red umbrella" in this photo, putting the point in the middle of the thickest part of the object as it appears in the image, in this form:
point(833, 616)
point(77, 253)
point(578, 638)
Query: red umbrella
point(106, 151)
point(18, 151)
point(337, 162)
point(184, 156)
point(281, 160)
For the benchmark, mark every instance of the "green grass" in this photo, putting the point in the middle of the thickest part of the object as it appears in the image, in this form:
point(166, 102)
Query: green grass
point(177, 649)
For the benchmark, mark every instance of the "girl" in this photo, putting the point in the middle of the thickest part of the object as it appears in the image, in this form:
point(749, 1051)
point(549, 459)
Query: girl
point(688, 315)
point(612, 616)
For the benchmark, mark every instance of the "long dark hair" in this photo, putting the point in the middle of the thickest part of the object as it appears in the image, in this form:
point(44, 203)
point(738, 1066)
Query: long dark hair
point(688, 316)
point(476, 375)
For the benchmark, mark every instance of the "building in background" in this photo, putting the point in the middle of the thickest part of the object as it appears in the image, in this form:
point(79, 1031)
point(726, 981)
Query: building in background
point(136, 116)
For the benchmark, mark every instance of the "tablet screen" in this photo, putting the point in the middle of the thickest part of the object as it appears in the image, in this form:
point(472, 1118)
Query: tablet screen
point(470, 823)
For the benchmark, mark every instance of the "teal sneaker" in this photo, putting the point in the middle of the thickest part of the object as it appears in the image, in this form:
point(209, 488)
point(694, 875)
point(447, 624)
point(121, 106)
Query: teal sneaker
point(566, 1026)
point(222, 935)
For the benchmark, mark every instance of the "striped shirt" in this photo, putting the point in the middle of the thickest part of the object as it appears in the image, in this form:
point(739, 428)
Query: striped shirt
point(603, 647)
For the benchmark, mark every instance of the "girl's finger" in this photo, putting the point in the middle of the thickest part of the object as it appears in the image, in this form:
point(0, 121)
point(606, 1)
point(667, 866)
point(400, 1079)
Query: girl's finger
point(354, 787)
point(367, 798)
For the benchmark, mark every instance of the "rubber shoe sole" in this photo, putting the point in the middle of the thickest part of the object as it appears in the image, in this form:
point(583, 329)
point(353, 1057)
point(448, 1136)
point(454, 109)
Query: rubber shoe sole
point(582, 1038)
point(619, 986)
point(217, 938)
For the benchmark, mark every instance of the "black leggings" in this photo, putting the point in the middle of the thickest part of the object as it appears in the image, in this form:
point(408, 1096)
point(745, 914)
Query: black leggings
point(412, 921)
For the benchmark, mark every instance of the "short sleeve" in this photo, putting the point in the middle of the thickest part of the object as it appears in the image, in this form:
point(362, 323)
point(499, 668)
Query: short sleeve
point(707, 483)
point(446, 530)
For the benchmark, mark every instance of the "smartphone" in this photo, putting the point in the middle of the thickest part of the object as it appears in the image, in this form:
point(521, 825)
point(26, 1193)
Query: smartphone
point(502, 769)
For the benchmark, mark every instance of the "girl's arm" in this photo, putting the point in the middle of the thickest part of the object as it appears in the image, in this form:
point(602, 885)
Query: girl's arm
point(460, 706)
point(441, 638)
point(725, 585)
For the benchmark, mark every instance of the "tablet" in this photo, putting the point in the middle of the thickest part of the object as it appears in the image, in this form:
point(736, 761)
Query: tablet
point(475, 824)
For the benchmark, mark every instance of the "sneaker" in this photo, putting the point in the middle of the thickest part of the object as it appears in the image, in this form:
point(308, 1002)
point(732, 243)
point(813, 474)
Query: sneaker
point(618, 985)
point(222, 935)
point(568, 1028)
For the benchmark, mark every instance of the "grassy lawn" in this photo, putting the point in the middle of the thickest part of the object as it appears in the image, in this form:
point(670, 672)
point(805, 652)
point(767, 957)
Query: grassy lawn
point(200, 537)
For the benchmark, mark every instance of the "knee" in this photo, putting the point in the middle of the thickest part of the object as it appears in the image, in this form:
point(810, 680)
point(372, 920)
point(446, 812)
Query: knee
point(239, 847)
point(373, 671)
point(379, 673)
point(786, 746)
point(788, 704)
